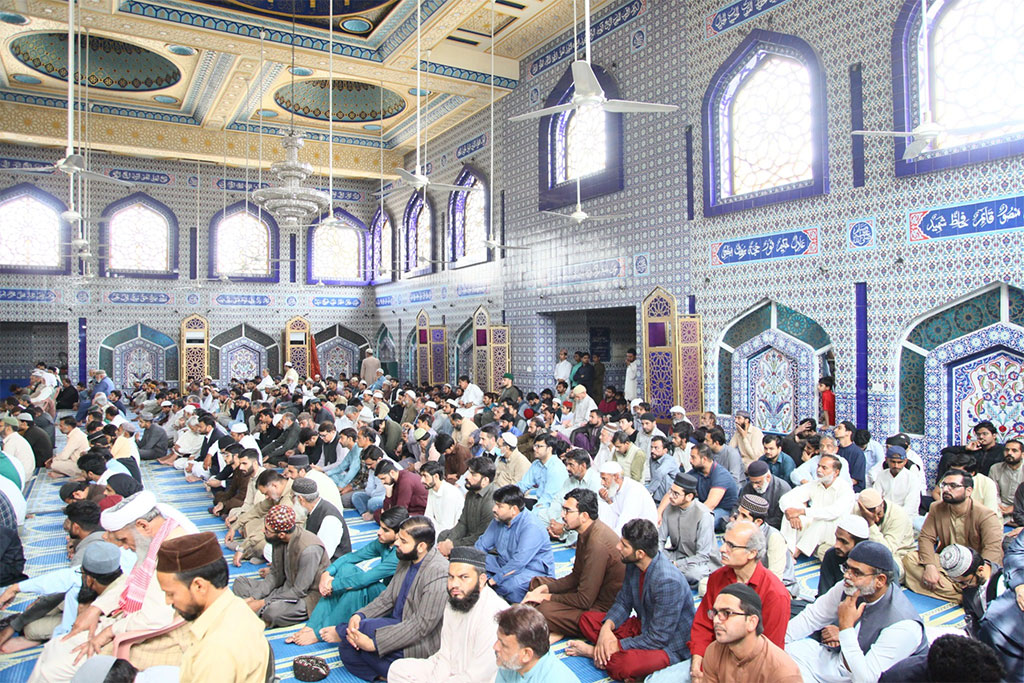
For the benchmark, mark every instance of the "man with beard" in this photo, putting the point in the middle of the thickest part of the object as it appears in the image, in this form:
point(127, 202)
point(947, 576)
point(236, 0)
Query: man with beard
point(748, 439)
point(276, 490)
point(954, 519)
point(477, 509)
point(1008, 475)
point(516, 544)
point(288, 594)
point(761, 482)
point(778, 461)
point(689, 529)
point(404, 620)
point(889, 525)
point(627, 647)
point(812, 509)
point(878, 626)
point(624, 498)
point(466, 641)
point(226, 639)
point(243, 463)
point(522, 652)
point(850, 530)
point(596, 575)
point(133, 603)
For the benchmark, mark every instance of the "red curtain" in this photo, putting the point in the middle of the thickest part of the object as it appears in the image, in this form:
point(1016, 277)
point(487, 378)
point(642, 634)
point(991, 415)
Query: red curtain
point(314, 362)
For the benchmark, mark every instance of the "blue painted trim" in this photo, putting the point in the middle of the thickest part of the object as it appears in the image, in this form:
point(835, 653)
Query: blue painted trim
point(65, 229)
point(461, 74)
point(857, 122)
point(759, 39)
point(419, 201)
point(172, 238)
point(345, 216)
point(83, 350)
point(553, 195)
point(861, 335)
point(376, 233)
point(691, 304)
point(689, 173)
point(291, 256)
point(275, 242)
point(193, 253)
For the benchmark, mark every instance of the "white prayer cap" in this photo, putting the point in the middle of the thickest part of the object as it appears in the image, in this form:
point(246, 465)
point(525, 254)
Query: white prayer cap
point(166, 404)
point(611, 467)
point(25, 416)
point(510, 439)
point(130, 427)
point(277, 418)
point(430, 404)
point(677, 409)
point(380, 371)
point(189, 408)
point(411, 394)
point(118, 420)
point(288, 364)
point(362, 382)
point(127, 511)
point(378, 394)
point(635, 402)
point(239, 428)
point(453, 402)
point(247, 395)
point(366, 415)
point(855, 525)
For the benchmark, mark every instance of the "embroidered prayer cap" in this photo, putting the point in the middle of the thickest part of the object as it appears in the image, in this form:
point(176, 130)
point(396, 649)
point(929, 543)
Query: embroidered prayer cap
point(431, 404)
point(128, 511)
point(611, 467)
point(188, 552)
point(684, 480)
point(870, 498)
point(239, 428)
point(579, 390)
point(304, 485)
point(101, 557)
point(855, 525)
point(420, 434)
point(280, 518)
point(896, 453)
point(467, 554)
point(567, 404)
point(677, 409)
point(758, 468)
point(299, 460)
point(508, 375)
point(510, 439)
point(957, 560)
point(756, 505)
point(873, 554)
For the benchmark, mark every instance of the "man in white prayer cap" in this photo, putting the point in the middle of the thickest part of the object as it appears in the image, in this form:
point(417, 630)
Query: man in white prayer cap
point(134, 602)
point(623, 498)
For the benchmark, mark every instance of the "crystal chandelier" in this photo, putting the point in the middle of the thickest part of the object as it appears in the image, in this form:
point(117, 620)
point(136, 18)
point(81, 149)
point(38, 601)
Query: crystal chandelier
point(290, 202)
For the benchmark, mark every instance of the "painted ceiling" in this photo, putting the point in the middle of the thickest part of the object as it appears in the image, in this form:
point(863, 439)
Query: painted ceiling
point(201, 79)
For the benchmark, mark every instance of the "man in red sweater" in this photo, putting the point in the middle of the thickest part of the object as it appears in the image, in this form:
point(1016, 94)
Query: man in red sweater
point(405, 489)
point(742, 548)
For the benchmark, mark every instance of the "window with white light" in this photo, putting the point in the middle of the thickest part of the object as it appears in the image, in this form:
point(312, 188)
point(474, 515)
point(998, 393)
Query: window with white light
point(243, 246)
point(139, 240)
point(30, 234)
point(337, 252)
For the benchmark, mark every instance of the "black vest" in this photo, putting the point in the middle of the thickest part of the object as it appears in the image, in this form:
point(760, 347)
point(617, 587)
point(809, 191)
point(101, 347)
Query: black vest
point(315, 518)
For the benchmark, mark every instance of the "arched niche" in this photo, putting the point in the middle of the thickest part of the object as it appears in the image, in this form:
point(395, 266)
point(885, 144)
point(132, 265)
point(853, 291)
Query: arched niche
point(138, 352)
point(243, 352)
point(340, 351)
point(386, 351)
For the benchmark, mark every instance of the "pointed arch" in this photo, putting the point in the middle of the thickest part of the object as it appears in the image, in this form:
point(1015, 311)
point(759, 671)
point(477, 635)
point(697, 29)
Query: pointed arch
point(418, 236)
point(138, 352)
point(336, 254)
point(381, 262)
point(139, 238)
point(34, 239)
point(469, 220)
point(248, 241)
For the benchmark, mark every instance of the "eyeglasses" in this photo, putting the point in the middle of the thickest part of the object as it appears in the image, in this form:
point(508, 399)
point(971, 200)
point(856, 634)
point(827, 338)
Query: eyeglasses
point(724, 614)
point(732, 546)
point(855, 573)
point(950, 485)
point(568, 511)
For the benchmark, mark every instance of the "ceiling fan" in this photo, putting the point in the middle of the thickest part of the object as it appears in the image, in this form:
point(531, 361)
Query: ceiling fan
point(73, 163)
point(579, 215)
point(587, 91)
point(928, 131)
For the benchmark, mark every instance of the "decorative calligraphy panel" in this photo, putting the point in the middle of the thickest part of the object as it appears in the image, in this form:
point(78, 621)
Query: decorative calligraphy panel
point(966, 219)
point(780, 245)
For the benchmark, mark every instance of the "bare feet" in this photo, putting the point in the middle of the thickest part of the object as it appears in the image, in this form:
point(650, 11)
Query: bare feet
point(6, 633)
point(190, 479)
point(54, 475)
point(367, 516)
point(579, 648)
point(304, 636)
point(17, 644)
point(329, 635)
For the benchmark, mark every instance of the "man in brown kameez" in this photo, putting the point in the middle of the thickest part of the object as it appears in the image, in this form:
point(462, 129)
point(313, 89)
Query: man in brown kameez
point(597, 571)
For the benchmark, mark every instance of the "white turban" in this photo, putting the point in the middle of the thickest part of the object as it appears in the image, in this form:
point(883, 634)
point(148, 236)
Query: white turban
point(127, 511)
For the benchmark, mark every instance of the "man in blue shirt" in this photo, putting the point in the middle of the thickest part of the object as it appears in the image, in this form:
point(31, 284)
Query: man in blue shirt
point(852, 453)
point(716, 488)
point(779, 462)
point(516, 544)
point(545, 478)
point(523, 652)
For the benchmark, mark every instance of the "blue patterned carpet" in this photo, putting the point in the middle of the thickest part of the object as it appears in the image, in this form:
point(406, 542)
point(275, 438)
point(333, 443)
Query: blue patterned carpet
point(44, 541)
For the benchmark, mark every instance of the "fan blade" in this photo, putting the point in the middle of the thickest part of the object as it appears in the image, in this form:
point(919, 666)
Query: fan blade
point(455, 188)
point(93, 175)
point(627, 106)
point(584, 81)
point(915, 148)
point(406, 176)
point(884, 133)
point(39, 170)
point(540, 113)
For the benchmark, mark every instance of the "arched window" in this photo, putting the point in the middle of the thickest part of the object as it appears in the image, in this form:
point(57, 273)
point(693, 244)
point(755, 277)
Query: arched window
point(584, 143)
point(418, 236)
point(336, 252)
point(140, 239)
point(469, 216)
point(382, 261)
point(244, 244)
point(974, 48)
point(765, 136)
point(33, 238)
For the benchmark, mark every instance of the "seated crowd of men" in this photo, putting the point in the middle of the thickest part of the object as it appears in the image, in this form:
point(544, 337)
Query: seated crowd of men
point(470, 490)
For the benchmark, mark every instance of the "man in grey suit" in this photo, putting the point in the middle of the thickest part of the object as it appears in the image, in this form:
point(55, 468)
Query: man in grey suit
point(153, 442)
point(404, 620)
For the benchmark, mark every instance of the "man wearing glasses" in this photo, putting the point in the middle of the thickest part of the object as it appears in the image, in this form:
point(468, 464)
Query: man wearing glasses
point(954, 519)
point(878, 626)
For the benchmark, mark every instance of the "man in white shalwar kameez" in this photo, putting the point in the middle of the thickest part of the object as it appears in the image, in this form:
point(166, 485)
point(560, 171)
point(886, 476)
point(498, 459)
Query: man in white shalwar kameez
point(467, 628)
point(812, 509)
